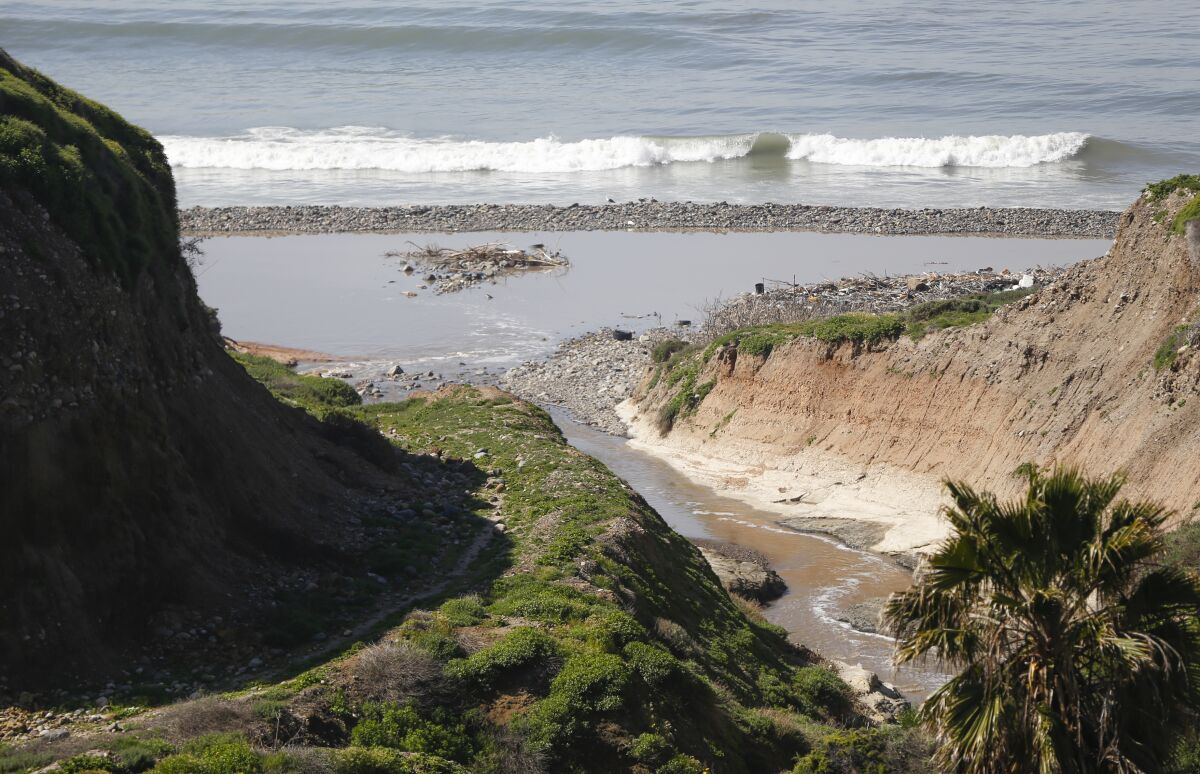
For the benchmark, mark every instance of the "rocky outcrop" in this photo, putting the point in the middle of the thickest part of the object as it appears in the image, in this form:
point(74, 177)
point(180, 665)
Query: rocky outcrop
point(881, 701)
point(868, 432)
point(742, 571)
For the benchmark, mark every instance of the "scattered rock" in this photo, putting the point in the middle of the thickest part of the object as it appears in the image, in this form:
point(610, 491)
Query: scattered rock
point(651, 216)
point(881, 701)
point(742, 571)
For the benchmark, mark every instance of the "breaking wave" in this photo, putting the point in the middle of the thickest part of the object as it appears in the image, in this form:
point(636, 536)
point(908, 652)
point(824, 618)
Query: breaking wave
point(373, 148)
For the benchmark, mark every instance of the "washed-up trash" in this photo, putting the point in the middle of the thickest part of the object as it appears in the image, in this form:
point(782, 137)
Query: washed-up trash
point(451, 270)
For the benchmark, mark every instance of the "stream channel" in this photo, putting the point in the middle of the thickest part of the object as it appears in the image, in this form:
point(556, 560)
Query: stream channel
point(341, 295)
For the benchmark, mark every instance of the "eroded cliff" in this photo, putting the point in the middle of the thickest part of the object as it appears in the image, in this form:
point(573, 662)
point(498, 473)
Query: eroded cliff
point(1097, 370)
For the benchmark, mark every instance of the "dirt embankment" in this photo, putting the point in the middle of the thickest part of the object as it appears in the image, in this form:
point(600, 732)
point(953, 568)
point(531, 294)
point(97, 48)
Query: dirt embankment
point(1065, 375)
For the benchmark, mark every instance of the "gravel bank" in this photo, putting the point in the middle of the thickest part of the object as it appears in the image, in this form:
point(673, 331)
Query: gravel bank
point(649, 216)
point(588, 376)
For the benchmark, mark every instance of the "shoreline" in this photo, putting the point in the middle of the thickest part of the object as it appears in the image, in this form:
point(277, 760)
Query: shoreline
point(649, 215)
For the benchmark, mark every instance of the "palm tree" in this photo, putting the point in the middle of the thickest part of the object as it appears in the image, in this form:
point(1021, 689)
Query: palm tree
point(1075, 650)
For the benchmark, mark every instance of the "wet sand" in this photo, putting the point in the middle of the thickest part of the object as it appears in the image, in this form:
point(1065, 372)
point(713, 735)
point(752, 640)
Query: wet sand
point(825, 578)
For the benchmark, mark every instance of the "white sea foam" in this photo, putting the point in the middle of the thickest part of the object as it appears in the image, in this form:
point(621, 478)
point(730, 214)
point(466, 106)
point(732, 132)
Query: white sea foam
point(357, 147)
point(993, 150)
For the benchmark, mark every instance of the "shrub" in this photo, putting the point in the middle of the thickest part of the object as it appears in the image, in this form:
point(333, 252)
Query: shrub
point(592, 682)
point(433, 634)
point(530, 598)
point(213, 754)
point(610, 629)
point(382, 760)
point(464, 611)
point(654, 665)
point(663, 350)
point(1168, 351)
point(400, 727)
point(205, 716)
point(524, 647)
point(820, 693)
point(650, 749)
point(884, 750)
point(394, 671)
point(682, 764)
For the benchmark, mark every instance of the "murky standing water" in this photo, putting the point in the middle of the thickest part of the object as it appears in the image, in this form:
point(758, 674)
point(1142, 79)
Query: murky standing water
point(822, 575)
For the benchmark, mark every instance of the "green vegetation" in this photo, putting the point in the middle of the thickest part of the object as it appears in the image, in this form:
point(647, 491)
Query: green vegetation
point(663, 350)
point(634, 667)
point(957, 312)
point(311, 392)
point(105, 182)
point(681, 368)
point(1168, 352)
point(401, 727)
point(1076, 647)
point(1164, 188)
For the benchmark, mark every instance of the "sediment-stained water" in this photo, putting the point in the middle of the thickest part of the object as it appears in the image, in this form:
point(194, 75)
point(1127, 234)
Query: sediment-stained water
point(823, 576)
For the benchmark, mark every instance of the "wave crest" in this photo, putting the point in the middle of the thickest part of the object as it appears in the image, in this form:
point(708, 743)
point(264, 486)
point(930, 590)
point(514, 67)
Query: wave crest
point(356, 147)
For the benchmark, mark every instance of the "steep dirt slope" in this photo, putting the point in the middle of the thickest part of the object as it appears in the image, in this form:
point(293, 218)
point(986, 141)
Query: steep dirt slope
point(141, 466)
point(1065, 375)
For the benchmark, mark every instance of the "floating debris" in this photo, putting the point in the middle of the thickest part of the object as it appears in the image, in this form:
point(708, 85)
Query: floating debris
point(449, 270)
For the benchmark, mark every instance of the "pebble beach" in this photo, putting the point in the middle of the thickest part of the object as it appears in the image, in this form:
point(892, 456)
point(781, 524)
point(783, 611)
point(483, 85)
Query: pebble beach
point(649, 215)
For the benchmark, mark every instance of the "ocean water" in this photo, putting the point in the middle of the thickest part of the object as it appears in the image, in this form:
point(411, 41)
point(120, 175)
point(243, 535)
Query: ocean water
point(916, 103)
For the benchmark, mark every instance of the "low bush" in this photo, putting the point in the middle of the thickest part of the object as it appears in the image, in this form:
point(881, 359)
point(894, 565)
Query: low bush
point(663, 350)
point(523, 648)
point(652, 664)
point(650, 749)
point(882, 750)
point(592, 682)
point(1168, 352)
point(401, 727)
point(313, 393)
point(383, 760)
point(464, 611)
point(819, 693)
point(395, 671)
point(682, 764)
point(213, 754)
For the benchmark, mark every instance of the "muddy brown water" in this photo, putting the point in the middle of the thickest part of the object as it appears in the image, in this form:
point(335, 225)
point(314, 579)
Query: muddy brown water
point(823, 576)
point(339, 294)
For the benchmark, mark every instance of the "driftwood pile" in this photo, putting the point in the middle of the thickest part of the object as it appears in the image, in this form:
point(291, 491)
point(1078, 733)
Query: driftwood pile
point(448, 270)
point(784, 302)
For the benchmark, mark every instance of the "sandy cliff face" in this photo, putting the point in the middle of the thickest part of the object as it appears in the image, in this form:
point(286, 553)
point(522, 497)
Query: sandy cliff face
point(1064, 375)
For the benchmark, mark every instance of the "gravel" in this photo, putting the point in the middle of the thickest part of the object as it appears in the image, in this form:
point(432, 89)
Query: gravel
point(588, 375)
point(649, 215)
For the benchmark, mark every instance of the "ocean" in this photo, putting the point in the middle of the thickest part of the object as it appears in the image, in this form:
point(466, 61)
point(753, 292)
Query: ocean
point(922, 103)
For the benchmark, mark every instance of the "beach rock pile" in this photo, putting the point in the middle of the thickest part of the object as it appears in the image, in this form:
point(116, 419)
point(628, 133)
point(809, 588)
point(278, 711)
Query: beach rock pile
point(588, 375)
point(449, 271)
point(868, 293)
point(649, 215)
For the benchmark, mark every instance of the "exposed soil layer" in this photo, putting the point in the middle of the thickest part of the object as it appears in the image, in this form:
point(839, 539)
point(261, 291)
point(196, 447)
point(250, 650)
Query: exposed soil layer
point(1090, 371)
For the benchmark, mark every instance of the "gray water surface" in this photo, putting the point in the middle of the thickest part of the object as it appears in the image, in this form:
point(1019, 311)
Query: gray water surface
point(342, 295)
